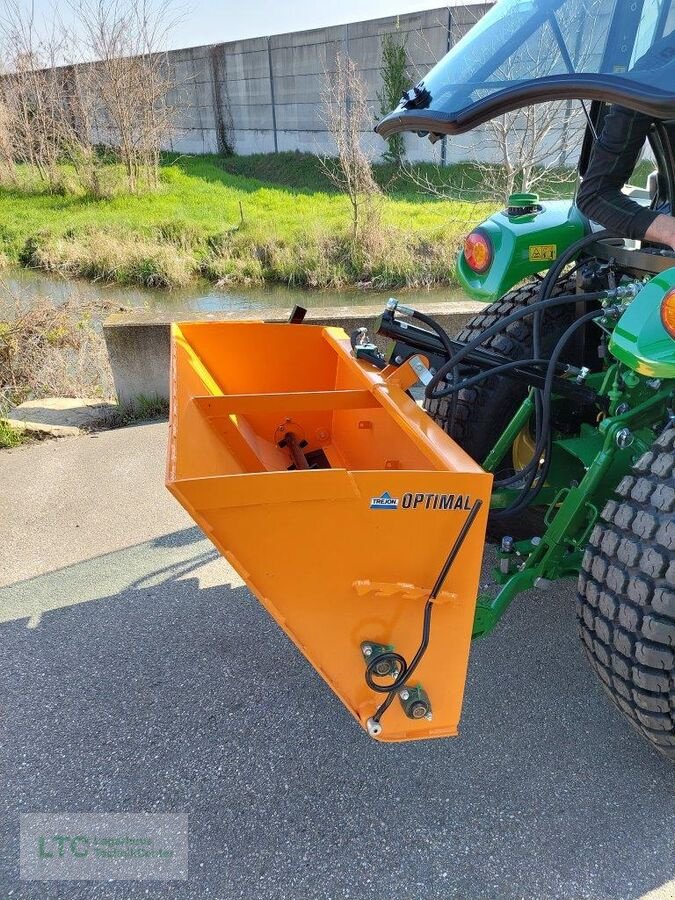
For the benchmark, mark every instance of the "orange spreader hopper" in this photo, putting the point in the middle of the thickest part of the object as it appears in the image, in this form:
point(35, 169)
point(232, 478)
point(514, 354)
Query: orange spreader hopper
point(337, 500)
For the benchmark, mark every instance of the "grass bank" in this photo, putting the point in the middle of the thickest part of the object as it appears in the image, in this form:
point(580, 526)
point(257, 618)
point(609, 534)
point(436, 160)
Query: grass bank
point(238, 220)
point(250, 220)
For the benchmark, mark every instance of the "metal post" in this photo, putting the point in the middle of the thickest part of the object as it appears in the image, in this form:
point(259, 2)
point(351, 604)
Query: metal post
point(274, 111)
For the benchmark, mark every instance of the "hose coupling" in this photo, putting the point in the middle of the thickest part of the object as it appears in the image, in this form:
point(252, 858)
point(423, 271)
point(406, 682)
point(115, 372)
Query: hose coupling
point(394, 306)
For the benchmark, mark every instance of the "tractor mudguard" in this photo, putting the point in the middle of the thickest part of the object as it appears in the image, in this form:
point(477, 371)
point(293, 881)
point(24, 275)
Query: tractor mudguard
point(525, 238)
point(337, 500)
point(640, 340)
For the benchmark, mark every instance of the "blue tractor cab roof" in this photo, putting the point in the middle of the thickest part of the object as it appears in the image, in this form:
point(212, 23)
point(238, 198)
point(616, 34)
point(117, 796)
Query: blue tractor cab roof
point(524, 52)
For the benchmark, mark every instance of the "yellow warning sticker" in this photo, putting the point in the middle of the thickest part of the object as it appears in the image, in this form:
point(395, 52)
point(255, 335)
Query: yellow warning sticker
point(543, 252)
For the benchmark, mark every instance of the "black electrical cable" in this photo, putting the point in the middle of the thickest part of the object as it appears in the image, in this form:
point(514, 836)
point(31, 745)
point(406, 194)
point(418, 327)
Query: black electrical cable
point(543, 446)
point(497, 370)
point(436, 328)
point(500, 325)
point(547, 286)
point(566, 257)
point(406, 671)
point(556, 271)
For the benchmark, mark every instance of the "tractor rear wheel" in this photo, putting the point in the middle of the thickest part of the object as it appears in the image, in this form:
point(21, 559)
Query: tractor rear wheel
point(483, 411)
point(626, 600)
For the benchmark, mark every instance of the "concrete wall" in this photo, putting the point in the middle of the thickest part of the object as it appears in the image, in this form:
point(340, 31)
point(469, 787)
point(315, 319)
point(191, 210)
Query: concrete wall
point(264, 94)
point(138, 341)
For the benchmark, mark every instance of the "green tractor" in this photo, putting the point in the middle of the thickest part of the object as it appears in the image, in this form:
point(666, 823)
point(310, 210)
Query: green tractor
point(563, 387)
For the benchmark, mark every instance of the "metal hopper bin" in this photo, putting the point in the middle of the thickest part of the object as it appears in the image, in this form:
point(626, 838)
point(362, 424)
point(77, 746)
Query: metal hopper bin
point(340, 503)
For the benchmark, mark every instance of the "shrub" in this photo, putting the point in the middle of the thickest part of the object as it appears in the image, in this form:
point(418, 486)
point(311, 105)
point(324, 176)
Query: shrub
point(52, 349)
point(113, 257)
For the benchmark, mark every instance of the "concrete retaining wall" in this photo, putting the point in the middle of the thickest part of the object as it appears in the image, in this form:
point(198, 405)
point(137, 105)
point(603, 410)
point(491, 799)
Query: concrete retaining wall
point(264, 94)
point(139, 346)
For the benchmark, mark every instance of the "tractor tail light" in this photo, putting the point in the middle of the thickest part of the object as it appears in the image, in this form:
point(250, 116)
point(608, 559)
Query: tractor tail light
point(478, 252)
point(668, 312)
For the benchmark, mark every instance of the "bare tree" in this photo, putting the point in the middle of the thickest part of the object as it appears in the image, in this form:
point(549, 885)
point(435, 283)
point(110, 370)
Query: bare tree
point(32, 92)
point(531, 146)
point(526, 148)
point(7, 164)
point(44, 119)
point(347, 117)
point(125, 94)
point(102, 81)
point(7, 167)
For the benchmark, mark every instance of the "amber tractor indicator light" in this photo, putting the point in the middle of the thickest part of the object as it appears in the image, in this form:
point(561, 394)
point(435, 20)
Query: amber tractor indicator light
point(668, 312)
point(478, 252)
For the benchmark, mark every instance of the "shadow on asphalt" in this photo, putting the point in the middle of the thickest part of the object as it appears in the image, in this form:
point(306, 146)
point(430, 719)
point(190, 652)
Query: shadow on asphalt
point(171, 696)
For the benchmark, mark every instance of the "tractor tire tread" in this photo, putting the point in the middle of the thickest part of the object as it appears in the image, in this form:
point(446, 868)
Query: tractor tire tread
point(626, 597)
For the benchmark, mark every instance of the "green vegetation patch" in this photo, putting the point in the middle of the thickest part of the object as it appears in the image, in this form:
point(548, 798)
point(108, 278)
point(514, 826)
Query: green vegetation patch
point(254, 219)
point(10, 436)
point(208, 219)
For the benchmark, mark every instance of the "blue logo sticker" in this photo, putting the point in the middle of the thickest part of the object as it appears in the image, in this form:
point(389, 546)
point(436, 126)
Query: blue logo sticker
point(386, 501)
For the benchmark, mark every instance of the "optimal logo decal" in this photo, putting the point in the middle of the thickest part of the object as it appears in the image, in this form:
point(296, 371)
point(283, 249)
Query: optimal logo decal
point(426, 501)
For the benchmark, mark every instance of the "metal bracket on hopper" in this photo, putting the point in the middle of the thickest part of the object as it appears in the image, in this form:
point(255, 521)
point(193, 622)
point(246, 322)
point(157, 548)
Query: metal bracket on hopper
point(380, 659)
point(415, 702)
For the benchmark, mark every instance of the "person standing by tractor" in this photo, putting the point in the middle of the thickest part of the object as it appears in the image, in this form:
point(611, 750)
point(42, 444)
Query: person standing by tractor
point(615, 155)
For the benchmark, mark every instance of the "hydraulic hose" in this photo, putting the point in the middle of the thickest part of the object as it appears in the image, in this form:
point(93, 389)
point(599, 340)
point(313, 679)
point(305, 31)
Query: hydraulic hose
point(436, 328)
point(443, 337)
point(542, 396)
point(554, 274)
point(542, 447)
point(556, 269)
point(547, 286)
point(454, 360)
point(530, 470)
point(488, 373)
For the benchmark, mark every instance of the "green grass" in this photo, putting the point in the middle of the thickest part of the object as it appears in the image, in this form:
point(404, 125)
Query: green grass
point(304, 172)
point(9, 436)
point(254, 219)
point(208, 220)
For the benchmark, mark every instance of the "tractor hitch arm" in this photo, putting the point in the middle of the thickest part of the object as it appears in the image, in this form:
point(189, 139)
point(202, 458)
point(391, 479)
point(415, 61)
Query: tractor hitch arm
point(409, 339)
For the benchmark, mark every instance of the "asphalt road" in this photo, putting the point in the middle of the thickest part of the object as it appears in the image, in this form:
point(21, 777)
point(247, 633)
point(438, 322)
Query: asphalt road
point(137, 674)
